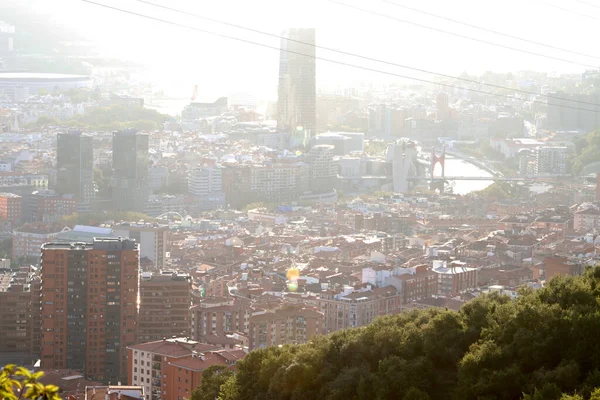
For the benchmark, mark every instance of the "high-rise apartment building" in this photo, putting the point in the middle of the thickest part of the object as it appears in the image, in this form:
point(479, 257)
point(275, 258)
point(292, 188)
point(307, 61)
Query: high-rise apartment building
point(130, 183)
point(205, 183)
point(551, 160)
point(323, 170)
point(89, 306)
point(151, 238)
point(74, 167)
point(296, 103)
point(165, 300)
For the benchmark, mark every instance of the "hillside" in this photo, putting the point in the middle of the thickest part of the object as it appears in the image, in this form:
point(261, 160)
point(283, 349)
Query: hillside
point(539, 346)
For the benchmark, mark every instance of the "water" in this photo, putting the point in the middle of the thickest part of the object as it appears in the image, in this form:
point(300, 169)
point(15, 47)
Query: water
point(456, 167)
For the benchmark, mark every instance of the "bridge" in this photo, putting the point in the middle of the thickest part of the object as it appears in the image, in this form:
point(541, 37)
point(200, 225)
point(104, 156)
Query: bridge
point(477, 178)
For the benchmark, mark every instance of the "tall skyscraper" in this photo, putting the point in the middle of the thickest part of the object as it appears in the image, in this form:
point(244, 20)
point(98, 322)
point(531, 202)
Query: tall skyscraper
point(130, 184)
point(75, 167)
point(89, 306)
point(296, 103)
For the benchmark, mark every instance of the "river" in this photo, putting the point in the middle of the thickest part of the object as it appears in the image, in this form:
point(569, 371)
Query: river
point(457, 167)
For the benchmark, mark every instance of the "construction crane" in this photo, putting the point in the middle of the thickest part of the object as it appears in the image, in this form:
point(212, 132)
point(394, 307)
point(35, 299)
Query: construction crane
point(195, 93)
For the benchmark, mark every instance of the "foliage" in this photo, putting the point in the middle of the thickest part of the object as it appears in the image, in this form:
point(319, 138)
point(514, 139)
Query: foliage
point(118, 117)
point(375, 147)
point(588, 151)
point(538, 346)
point(499, 190)
point(213, 378)
point(20, 383)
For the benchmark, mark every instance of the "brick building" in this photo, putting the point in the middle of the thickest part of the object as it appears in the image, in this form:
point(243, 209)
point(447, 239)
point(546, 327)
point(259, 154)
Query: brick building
point(20, 313)
point(149, 365)
point(358, 308)
point(455, 277)
point(89, 306)
point(10, 208)
point(287, 325)
point(28, 239)
point(220, 316)
point(47, 206)
point(165, 301)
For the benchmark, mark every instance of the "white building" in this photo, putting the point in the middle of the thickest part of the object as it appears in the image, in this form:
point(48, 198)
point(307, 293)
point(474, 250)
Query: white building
point(205, 180)
point(152, 239)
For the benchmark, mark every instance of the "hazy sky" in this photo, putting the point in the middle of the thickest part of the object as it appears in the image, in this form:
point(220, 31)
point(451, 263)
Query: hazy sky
point(182, 58)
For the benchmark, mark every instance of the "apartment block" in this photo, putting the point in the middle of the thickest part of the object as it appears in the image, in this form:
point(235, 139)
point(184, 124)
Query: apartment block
point(220, 316)
point(165, 300)
point(11, 208)
point(351, 309)
point(151, 237)
point(89, 306)
point(20, 313)
point(287, 325)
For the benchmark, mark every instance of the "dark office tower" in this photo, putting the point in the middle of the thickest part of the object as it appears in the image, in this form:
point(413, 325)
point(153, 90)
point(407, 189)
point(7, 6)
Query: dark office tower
point(75, 167)
point(89, 306)
point(130, 183)
point(296, 104)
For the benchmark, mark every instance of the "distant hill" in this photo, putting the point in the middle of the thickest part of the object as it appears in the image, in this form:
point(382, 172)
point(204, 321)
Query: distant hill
point(35, 32)
point(537, 347)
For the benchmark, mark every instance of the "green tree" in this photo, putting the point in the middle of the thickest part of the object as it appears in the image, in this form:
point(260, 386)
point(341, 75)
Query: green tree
point(538, 346)
point(213, 378)
point(20, 383)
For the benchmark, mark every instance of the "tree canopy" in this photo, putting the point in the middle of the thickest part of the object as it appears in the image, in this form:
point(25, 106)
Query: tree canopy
point(588, 151)
point(20, 383)
point(538, 346)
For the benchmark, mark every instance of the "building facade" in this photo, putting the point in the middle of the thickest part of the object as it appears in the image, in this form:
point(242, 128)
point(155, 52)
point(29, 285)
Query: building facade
point(287, 325)
point(151, 237)
point(296, 101)
point(20, 313)
point(165, 300)
point(10, 208)
point(89, 306)
point(130, 181)
point(74, 167)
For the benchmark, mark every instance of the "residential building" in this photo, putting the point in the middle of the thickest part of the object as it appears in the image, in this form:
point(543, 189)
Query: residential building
point(48, 206)
point(296, 102)
point(10, 208)
point(20, 316)
point(351, 309)
point(151, 237)
point(586, 219)
point(114, 392)
point(165, 300)
point(421, 284)
point(28, 239)
point(74, 167)
point(148, 364)
point(455, 277)
point(89, 306)
point(551, 160)
point(560, 266)
point(220, 317)
point(323, 170)
point(205, 183)
point(130, 183)
point(287, 325)
point(185, 374)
